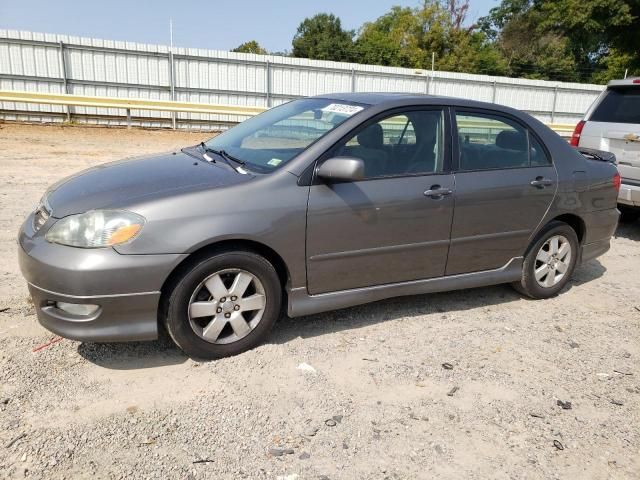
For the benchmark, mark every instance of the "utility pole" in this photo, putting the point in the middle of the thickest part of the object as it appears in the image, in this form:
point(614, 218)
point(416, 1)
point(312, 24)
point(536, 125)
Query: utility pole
point(172, 81)
point(171, 33)
point(433, 62)
point(625, 72)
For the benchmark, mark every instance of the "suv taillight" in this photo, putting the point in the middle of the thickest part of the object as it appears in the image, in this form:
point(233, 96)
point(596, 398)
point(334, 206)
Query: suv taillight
point(575, 137)
point(617, 180)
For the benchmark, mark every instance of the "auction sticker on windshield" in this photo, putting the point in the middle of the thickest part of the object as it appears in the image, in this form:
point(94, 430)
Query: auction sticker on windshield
point(342, 108)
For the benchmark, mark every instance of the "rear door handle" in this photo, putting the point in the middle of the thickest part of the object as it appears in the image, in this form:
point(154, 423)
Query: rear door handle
point(541, 182)
point(436, 191)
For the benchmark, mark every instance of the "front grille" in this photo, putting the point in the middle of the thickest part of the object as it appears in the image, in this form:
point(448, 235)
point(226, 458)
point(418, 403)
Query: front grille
point(40, 217)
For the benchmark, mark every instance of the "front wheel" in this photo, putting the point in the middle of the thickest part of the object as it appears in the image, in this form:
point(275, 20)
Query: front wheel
point(550, 262)
point(223, 305)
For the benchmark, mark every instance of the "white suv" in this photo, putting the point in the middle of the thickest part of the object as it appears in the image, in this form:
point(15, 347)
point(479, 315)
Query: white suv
point(612, 124)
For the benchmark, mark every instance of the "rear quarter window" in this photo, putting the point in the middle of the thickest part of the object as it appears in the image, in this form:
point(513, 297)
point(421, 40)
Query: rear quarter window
point(619, 105)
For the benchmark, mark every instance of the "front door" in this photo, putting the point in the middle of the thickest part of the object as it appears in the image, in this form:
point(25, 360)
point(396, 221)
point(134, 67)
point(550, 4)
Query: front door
point(505, 183)
point(394, 225)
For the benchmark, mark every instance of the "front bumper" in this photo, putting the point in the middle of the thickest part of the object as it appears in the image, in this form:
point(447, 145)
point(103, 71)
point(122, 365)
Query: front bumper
point(125, 287)
point(629, 194)
point(119, 317)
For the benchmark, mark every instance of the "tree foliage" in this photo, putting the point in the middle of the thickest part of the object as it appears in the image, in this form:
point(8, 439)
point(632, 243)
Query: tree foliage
point(566, 40)
point(250, 47)
point(580, 40)
point(409, 37)
point(322, 37)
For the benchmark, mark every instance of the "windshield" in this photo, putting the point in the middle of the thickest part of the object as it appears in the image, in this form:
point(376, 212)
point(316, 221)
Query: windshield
point(269, 140)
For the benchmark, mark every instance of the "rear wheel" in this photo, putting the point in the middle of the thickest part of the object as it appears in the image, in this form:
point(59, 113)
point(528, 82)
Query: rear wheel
point(550, 262)
point(223, 305)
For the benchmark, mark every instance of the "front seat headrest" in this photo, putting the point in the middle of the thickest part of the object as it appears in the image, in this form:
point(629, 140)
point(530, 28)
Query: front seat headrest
point(371, 137)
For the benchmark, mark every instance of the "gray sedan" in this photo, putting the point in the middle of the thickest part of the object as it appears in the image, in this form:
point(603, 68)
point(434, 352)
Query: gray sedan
point(318, 204)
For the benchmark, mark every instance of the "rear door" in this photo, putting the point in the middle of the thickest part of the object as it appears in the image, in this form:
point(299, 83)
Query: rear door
point(614, 126)
point(505, 183)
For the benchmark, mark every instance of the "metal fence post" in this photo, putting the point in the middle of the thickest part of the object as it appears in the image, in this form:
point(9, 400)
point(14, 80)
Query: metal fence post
point(553, 108)
point(268, 82)
point(493, 94)
point(353, 79)
point(172, 84)
point(65, 84)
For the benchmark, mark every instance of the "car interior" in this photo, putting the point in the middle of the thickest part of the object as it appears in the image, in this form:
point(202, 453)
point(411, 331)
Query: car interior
point(405, 144)
point(508, 151)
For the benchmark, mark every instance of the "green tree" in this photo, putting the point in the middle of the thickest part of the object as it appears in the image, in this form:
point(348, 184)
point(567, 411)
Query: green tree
point(530, 50)
point(322, 37)
point(597, 30)
point(250, 47)
point(407, 37)
point(392, 40)
point(615, 65)
point(586, 40)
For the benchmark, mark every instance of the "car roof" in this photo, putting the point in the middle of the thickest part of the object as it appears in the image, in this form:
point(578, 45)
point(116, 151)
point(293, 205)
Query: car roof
point(378, 98)
point(631, 81)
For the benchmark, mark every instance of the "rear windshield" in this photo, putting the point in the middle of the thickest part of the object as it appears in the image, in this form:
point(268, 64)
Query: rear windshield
point(619, 105)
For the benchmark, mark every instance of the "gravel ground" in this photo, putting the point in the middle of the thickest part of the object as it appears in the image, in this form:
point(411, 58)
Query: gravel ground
point(468, 384)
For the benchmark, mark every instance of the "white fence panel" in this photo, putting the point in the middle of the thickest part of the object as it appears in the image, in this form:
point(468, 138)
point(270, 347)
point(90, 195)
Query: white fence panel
point(65, 64)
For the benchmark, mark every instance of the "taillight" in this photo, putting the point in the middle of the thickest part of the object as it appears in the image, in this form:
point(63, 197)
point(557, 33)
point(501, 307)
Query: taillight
point(575, 137)
point(637, 80)
point(617, 181)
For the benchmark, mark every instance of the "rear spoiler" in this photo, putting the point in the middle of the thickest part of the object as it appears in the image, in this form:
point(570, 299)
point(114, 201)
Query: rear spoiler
point(593, 154)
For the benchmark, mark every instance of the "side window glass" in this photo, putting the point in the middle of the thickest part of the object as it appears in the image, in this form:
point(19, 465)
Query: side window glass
point(538, 156)
point(491, 142)
point(398, 130)
point(402, 144)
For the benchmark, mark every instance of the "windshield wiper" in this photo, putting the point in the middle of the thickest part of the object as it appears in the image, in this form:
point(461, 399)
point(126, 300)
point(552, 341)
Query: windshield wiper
point(225, 156)
point(206, 149)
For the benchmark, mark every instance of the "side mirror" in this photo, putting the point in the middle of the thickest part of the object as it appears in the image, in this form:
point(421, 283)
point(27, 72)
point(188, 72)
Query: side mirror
point(341, 169)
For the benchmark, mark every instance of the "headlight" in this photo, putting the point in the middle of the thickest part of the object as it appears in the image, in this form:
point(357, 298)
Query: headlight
point(97, 228)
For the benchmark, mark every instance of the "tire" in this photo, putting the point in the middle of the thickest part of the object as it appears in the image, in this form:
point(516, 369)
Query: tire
point(541, 252)
point(213, 327)
point(628, 214)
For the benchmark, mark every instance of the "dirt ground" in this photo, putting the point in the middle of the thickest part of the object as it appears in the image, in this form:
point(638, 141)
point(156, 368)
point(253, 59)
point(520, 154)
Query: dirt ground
point(375, 401)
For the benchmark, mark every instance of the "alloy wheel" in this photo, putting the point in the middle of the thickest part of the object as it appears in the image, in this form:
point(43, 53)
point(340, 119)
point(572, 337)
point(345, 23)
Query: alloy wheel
point(552, 261)
point(227, 306)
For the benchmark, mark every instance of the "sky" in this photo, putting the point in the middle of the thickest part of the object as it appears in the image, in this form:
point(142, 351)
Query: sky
point(211, 24)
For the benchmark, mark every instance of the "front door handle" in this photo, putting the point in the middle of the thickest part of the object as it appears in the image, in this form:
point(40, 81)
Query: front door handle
point(436, 191)
point(541, 182)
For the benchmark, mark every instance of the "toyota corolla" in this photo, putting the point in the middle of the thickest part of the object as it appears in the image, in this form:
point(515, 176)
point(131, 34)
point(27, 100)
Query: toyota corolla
point(317, 204)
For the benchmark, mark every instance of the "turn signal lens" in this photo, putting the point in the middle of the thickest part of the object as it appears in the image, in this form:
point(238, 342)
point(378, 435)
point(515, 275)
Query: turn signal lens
point(124, 234)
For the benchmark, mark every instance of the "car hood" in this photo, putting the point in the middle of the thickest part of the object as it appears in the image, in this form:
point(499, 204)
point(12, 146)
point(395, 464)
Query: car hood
point(117, 184)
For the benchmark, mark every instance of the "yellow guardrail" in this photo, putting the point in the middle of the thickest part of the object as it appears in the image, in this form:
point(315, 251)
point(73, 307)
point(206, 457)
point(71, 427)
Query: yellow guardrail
point(129, 104)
